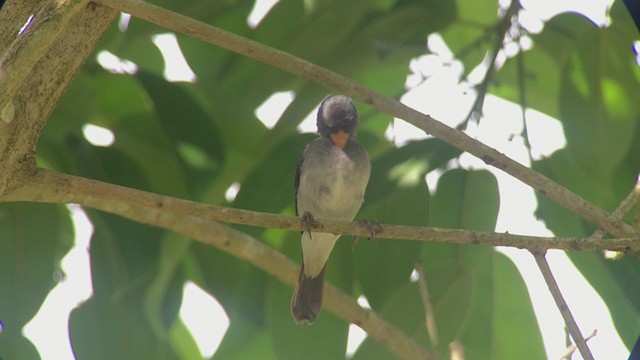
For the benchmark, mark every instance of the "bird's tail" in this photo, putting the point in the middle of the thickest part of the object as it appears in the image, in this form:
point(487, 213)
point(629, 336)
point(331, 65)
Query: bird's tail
point(307, 297)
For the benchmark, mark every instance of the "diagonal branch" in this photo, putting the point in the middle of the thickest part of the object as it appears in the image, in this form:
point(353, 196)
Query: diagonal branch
point(501, 30)
point(52, 187)
point(579, 341)
point(572, 348)
point(304, 69)
point(574, 330)
point(429, 314)
point(625, 205)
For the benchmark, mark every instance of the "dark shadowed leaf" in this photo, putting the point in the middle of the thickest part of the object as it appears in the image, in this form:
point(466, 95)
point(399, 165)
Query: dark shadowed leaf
point(33, 240)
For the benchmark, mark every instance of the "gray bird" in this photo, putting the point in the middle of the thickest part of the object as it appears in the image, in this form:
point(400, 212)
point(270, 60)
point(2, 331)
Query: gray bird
point(331, 178)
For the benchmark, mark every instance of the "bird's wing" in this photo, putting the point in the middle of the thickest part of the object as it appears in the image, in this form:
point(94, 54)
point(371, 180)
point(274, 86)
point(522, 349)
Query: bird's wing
point(297, 180)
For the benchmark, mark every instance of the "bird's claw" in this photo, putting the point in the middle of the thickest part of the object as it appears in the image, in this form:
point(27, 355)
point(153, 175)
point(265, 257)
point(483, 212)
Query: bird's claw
point(309, 222)
point(373, 226)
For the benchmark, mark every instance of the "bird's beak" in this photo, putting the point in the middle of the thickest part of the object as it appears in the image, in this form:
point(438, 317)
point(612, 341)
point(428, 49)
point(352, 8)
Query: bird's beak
point(340, 139)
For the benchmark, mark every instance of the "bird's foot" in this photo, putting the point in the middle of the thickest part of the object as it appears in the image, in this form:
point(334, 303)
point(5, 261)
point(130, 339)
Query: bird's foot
point(373, 226)
point(309, 222)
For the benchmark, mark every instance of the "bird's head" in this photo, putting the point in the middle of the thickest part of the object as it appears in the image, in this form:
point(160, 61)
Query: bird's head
point(337, 119)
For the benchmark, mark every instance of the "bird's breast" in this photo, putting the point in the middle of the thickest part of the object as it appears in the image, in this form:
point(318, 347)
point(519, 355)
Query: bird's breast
point(339, 190)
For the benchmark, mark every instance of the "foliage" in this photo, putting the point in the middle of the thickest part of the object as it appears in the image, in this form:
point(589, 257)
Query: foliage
point(193, 140)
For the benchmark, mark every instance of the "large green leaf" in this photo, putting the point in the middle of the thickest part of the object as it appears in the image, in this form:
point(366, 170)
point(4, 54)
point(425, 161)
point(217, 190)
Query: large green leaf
point(481, 302)
point(397, 194)
point(405, 310)
point(471, 33)
point(459, 277)
point(245, 340)
point(114, 323)
point(237, 285)
point(616, 282)
point(190, 129)
point(599, 87)
point(613, 279)
point(325, 339)
point(466, 200)
point(539, 76)
point(515, 331)
point(33, 239)
point(383, 265)
point(134, 303)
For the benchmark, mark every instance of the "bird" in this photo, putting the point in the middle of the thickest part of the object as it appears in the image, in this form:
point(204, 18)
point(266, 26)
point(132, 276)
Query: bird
point(330, 182)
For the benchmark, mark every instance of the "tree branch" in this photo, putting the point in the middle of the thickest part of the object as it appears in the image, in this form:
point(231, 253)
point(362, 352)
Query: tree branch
point(501, 30)
point(198, 221)
point(51, 66)
point(304, 69)
point(22, 57)
point(52, 187)
point(167, 213)
point(579, 342)
point(570, 350)
point(13, 16)
point(574, 330)
point(625, 205)
point(429, 314)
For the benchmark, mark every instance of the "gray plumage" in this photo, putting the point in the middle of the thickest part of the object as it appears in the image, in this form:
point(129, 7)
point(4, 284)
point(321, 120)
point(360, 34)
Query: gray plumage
point(330, 183)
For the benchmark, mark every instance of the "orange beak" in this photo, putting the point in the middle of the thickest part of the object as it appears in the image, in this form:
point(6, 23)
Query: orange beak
point(340, 139)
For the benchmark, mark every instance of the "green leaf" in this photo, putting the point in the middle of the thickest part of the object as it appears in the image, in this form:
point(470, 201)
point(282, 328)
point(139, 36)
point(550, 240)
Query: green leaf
point(244, 340)
point(460, 277)
point(597, 88)
point(116, 322)
point(183, 342)
point(469, 35)
point(615, 281)
point(515, 330)
point(396, 194)
point(562, 169)
point(405, 310)
point(34, 239)
point(236, 284)
point(382, 266)
point(166, 287)
point(184, 119)
point(325, 339)
point(540, 76)
point(466, 200)
point(600, 162)
point(270, 186)
point(113, 324)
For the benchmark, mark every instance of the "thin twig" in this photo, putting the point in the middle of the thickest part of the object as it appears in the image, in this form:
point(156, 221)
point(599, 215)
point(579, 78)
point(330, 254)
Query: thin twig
point(429, 314)
point(332, 80)
point(522, 96)
point(501, 31)
point(574, 330)
point(570, 350)
point(53, 187)
point(625, 205)
point(629, 201)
